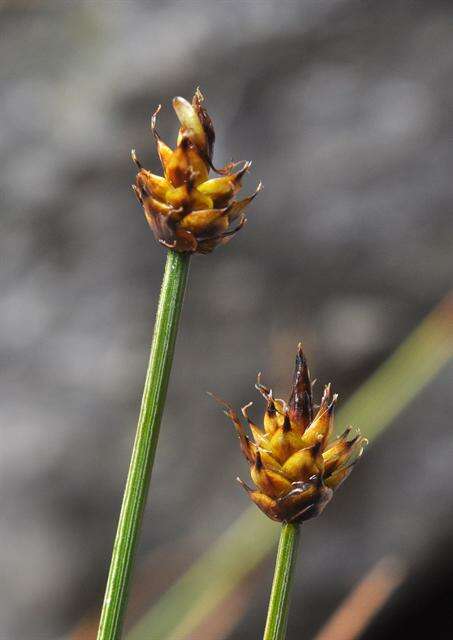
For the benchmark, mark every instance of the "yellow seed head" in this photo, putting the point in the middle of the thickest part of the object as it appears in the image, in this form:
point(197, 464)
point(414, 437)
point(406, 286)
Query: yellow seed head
point(186, 211)
point(294, 463)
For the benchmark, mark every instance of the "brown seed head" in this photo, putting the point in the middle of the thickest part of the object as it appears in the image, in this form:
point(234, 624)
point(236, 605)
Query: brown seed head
point(294, 463)
point(186, 211)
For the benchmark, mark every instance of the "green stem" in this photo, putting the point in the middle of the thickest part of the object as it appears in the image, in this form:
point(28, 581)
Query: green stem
point(277, 613)
point(139, 476)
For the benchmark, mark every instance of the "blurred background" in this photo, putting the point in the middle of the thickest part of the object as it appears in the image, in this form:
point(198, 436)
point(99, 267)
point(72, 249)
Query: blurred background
point(346, 109)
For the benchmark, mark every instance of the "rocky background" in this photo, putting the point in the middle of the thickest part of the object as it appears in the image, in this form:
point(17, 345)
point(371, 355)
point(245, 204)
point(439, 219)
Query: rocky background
point(346, 110)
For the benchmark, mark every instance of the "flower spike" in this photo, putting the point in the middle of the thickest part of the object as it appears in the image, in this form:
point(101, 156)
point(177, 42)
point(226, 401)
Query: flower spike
point(186, 211)
point(292, 462)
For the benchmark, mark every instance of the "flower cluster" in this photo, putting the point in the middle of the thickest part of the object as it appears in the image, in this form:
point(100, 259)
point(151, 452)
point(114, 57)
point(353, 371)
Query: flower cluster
point(293, 461)
point(186, 211)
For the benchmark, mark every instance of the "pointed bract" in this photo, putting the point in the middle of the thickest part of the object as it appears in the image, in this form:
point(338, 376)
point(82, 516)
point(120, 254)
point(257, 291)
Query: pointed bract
point(301, 401)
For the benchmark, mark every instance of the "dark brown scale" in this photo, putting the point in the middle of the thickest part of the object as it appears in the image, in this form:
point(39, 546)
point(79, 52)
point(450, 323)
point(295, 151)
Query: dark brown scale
point(271, 410)
point(286, 424)
point(258, 461)
point(143, 190)
point(207, 126)
point(301, 400)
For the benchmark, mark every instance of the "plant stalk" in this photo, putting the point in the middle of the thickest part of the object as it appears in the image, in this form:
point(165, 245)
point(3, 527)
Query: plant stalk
point(139, 476)
point(277, 613)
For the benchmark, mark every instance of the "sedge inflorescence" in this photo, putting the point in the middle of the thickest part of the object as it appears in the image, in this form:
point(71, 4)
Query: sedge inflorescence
point(294, 463)
point(186, 211)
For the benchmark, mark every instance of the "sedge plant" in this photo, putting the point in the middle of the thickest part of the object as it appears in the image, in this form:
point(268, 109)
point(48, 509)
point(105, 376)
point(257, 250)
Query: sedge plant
point(188, 213)
point(296, 467)
point(294, 463)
